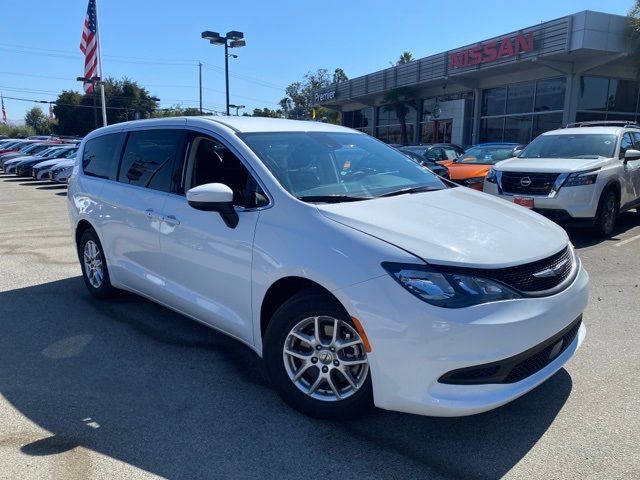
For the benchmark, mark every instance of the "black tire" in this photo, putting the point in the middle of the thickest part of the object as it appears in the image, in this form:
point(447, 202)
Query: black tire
point(301, 306)
point(607, 213)
point(104, 290)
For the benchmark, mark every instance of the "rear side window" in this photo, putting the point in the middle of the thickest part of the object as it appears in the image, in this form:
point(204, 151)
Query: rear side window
point(148, 158)
point(99, 156)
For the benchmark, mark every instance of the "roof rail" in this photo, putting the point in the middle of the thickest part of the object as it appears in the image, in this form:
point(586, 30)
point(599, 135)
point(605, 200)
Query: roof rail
point(604, 123)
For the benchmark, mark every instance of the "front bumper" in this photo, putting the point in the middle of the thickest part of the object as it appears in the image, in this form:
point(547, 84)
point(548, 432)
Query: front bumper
point(568, 205)
point(414, 344)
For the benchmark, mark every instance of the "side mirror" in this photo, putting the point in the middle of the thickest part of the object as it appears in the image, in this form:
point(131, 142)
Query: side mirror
point(631, 155)
point(214, 197)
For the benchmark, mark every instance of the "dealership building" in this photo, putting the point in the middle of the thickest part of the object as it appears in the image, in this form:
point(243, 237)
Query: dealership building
point(508, 88)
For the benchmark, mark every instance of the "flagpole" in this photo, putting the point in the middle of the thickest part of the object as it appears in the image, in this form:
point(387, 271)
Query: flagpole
point(103, 101)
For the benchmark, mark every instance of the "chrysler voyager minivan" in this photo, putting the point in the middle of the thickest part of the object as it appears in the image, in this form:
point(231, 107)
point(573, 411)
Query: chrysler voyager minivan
point(358, 276)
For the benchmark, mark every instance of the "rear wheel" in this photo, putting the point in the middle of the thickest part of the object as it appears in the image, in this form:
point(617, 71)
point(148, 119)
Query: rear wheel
point(316, 359)
point(607, 213)
point(94, 265)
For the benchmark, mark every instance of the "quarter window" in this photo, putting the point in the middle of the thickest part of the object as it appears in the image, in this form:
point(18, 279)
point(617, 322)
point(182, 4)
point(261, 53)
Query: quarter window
point(625, 144)
point(148, 159)
point(99, 156)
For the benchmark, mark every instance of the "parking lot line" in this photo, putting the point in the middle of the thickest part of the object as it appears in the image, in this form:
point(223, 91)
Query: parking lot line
point(628, 240)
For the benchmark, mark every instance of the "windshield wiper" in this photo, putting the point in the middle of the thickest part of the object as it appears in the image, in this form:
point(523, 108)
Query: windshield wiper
point(410, 190)
point(332, 198)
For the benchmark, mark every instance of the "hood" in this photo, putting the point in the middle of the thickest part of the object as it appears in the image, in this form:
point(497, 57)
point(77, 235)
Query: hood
point(461, 171)
point(47, 163)
point(456, 226)
point(11, 161)
point(550, 165)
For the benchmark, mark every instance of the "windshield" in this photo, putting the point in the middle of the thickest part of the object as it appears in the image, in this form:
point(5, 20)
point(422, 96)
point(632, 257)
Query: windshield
point(486, 155)
point(315, 166)
point(584, 145)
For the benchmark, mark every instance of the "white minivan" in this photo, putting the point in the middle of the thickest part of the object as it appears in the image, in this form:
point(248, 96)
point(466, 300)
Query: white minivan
point(357, 275)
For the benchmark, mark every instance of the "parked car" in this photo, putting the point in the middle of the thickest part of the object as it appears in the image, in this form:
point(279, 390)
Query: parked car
point(437, 152)
point(372, 281)
point(15, 146)
point(10, 165)
point(40, 171)
point(430, 164)
point(585, 175)
point(62, 171)
point(471, 168)
point(24, 168)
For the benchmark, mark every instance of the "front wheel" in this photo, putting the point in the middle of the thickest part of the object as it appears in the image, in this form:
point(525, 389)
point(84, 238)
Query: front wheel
point(607, 213)
point(94, 265)
point(316, 359)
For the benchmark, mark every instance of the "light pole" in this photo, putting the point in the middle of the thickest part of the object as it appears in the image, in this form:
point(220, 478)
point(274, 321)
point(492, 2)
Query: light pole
point(93, 81)
point(237, 107)
point(232, 39)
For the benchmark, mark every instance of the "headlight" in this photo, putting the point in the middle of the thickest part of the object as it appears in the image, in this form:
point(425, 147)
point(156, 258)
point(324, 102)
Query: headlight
point(474, 180)
point(581, 178)
point(448, 290)
point(491, 176)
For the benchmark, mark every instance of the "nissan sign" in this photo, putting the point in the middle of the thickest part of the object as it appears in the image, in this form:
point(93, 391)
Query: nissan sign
point(493, 50)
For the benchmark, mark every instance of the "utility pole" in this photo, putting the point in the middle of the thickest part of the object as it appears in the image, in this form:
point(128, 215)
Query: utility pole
point(226, 72)
point(200, 83)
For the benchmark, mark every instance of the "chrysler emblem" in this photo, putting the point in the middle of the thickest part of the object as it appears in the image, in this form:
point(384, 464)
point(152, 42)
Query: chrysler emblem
point(551, 272)
point(525, 182)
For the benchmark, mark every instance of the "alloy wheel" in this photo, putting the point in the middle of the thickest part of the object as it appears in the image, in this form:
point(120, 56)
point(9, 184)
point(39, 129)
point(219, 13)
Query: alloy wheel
point(93, 264)
point(325, 358)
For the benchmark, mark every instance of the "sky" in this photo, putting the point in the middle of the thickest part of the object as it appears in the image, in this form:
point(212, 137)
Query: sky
point(157, 43)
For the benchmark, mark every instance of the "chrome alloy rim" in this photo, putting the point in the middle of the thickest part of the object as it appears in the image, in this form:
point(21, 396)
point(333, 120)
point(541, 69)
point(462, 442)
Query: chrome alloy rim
point(93, 264)
point(325, 358)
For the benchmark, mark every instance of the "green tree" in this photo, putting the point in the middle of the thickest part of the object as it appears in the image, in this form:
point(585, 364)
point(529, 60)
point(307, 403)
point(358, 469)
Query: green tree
point(266, 112)
point(16, 131)
point(175, 111)
point(301, 93)
point(72, 118)
point(339, 76)
point(401, 100)
point(405, 57)
point(286, 105)
point(36, 119)
point(633, 17)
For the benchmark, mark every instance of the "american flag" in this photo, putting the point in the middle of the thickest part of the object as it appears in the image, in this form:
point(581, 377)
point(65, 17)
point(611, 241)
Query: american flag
point(4, 112)
point(90, 45)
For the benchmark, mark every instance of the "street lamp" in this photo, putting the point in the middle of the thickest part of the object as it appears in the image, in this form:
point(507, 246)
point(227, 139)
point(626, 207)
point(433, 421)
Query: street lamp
point(93, 81)
point(237, 107)
point(232, 39)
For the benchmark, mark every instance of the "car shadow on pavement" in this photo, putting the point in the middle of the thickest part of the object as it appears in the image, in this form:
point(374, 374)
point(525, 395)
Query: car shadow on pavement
point(137, 382)
point(585, 237)
point(51, 187)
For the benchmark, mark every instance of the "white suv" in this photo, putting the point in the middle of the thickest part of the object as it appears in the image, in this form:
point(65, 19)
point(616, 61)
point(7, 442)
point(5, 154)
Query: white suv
point(584, 174)
point(355, 273)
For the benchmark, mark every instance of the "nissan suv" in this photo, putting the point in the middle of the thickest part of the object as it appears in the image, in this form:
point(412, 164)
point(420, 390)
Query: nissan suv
point(585, 174)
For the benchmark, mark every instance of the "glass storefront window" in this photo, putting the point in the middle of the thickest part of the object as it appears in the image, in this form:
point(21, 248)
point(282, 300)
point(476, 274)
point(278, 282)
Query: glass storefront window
point(550, 94)
point(517, 129)
point(491, 129)
point(545, 123)
point(593, 93)
point(622, 96)
point(493, 101)
point(520, 98)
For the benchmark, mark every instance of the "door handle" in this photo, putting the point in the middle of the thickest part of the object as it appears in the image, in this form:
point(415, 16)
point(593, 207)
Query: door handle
point(149, 212)
point(171, 220)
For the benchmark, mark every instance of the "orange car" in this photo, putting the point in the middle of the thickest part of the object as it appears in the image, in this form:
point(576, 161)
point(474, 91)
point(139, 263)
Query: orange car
point(471, 168)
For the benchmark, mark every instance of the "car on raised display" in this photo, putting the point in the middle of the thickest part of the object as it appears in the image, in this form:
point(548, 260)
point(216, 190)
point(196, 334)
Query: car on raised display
point(358, 275)
point(470, 169)
point(585, 174)
point(439, 170)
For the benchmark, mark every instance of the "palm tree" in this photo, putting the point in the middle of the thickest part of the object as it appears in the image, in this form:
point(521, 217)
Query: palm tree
point(400, 100)
point(405, 57)
point(285, 103)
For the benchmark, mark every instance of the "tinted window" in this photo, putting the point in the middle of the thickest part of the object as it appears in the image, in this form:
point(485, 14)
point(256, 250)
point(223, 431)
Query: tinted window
point(148, 158)
point(587, 145)
point(545, 123)
point(213, 162)
point(520, 98)
point(593, 93)
point(625, 144)
point(550, 95)
point(517, 129)
point(623, 95)
point(98, 159)
point(493, 101)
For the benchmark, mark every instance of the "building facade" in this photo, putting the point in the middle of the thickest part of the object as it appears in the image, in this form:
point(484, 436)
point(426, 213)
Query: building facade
point(508, 88)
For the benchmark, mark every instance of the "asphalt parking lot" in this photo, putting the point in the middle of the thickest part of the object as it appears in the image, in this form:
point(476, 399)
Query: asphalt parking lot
point(129, 389)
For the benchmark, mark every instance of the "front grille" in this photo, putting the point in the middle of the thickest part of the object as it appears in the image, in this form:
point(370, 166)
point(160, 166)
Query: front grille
point(518, 367)
point(521, 277)
point(537, 183)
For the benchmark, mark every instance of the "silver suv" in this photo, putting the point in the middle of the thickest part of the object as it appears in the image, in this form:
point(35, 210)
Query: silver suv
point(586, 174)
